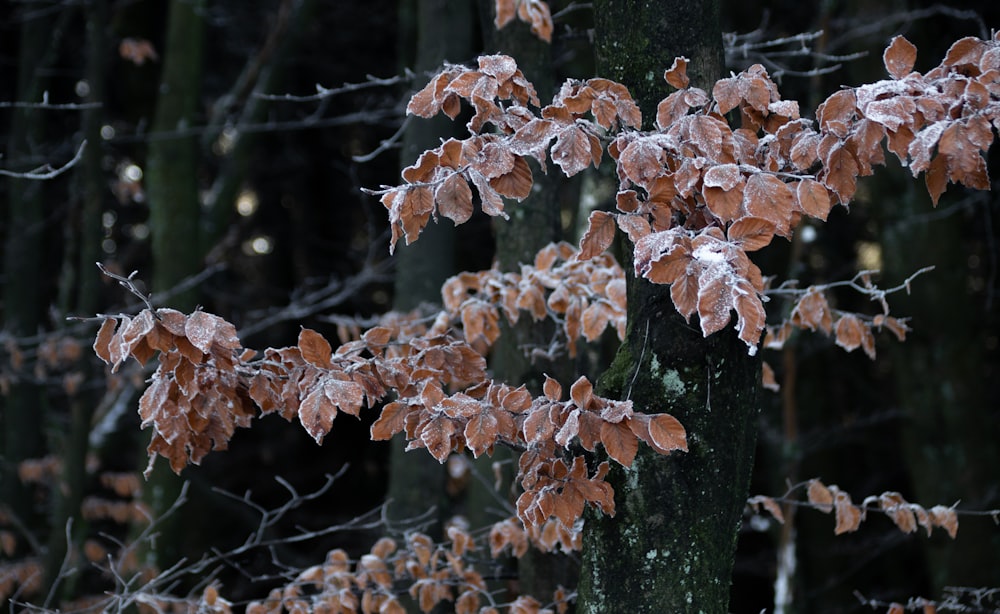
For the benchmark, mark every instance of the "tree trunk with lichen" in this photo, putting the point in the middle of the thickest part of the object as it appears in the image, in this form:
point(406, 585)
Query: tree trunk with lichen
point(670, 546)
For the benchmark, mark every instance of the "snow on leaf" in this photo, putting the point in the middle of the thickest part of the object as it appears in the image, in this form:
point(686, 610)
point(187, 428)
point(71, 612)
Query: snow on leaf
point(714, 302)
point(436, 437)
point(724, 176)
point(899, 57)
point(501, 67)
point(570, 428)
point(345, 394)
point(572, 151)
point(600, 233)
point(200, 329)
point(489, 199)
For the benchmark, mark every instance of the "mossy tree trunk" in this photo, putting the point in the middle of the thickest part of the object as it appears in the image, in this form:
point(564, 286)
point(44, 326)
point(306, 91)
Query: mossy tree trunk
point(444, 31)
point(671, 544)
point(172, 188)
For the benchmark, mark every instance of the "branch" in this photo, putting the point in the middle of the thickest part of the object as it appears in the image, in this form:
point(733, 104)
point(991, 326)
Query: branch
point(46, 171)
point(322, 93)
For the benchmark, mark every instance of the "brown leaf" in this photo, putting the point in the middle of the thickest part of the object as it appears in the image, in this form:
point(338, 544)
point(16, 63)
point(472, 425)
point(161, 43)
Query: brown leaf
point(620, 442)
point(946, 518)
point(667, 433)
point(848, 515)
point(582, 392)
point(316, 414)
point(899, 57)
point(768, 380)
point(516, 183)
point(751, 233)
point(389, 422)
point(813, 198)
point(454, 199)
point(714, 303)
point(600, 233)
point(840, 173)
point(505, 11)
point(849, 332)
point(572, 151)
point(315, 348)
point(676, 75)
point(552, 389)
point(481, 432)
point(436, 436)
point(820, 496)
point(103, 339)
point(770, 505)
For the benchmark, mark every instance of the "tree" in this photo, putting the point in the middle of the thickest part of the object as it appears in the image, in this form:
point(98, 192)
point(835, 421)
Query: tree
point(686, 226)
point(728, 192)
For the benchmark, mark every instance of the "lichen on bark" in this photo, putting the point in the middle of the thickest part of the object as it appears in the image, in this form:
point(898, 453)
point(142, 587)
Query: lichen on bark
point(674, 533)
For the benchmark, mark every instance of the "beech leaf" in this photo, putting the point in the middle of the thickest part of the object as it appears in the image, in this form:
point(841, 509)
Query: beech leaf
point(600, 233)
point(899, 57)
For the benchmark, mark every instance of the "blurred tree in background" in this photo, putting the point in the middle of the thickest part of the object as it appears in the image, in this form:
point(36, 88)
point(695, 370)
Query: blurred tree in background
point(226, 145)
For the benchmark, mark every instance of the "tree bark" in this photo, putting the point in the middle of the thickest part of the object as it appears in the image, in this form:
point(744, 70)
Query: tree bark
point(443, 33)
point(533, 224)
point(23, 412)
point(175, 214)
point(671, 544)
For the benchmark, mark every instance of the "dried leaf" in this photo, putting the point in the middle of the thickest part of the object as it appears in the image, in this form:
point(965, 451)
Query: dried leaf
point(620, 442)
point(899, 57)
point(600, 233)
point(676, 75)
point(667, 433)
point(315, 348)
point(820, 496)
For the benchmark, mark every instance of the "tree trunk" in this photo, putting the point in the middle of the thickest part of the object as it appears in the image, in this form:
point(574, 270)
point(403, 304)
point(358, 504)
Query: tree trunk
point(80, 289)
point(23, 411)
point(443, 33)
point(671, 544)
point(942, 381)
point(175, 214)
point(533, 224)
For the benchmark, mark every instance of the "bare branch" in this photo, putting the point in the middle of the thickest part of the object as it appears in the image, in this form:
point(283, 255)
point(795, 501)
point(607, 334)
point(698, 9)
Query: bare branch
point(46, 171)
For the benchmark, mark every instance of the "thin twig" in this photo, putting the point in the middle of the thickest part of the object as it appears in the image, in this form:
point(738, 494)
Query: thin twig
point(46, 171)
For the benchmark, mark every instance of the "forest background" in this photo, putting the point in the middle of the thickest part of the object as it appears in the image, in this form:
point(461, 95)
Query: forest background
point(278, 234)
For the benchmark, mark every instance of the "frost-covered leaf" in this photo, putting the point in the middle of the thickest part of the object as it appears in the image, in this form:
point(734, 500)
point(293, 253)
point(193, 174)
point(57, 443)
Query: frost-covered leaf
point(899, 57)
point(600, 233)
